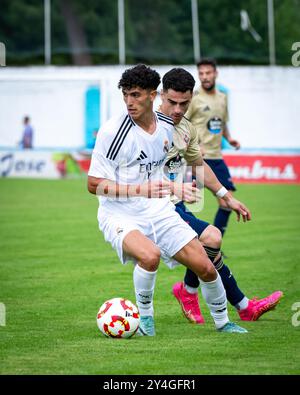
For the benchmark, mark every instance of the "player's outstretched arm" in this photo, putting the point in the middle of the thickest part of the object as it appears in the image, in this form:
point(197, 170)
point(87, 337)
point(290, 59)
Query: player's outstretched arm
point(108, 188)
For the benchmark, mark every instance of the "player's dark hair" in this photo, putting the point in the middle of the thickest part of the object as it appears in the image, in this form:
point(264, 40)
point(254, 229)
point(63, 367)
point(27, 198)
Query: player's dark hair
point(140, 76)
point(179, 80)
point(207, 62)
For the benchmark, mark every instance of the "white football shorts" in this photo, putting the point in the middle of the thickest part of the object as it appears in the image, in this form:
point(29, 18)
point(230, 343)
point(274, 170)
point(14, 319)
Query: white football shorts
point(168, 231)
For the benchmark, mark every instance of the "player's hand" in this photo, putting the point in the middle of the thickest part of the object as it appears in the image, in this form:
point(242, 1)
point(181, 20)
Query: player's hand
point(154, 189)
point(202, 150)
point(187, 191)
point(234, 143)
point(239, 208)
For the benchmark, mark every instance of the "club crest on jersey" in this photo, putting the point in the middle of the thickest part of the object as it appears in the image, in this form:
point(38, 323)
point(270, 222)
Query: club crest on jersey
point(186, 139)
point(173, 167)
point(166, 146)
point(214, 125)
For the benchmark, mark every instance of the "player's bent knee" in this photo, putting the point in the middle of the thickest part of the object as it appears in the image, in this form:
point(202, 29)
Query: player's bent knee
point(150, 259)
point(208, 272)
point(204, 268)
point(211, 237)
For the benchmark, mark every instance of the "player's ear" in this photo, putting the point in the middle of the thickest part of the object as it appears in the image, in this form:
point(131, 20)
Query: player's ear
point(153, 95)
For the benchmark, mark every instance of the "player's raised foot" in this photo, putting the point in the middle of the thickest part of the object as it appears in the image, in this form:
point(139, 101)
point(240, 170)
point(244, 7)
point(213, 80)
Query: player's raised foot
point(146, 327)
point(257, 307)
point(231, 327)
point(189, 303)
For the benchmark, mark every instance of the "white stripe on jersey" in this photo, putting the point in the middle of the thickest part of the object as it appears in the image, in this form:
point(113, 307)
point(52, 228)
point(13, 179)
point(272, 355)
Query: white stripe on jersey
point(119, 138)
point(164, 117)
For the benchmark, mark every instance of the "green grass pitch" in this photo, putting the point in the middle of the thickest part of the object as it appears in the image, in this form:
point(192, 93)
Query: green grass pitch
point(56, 271)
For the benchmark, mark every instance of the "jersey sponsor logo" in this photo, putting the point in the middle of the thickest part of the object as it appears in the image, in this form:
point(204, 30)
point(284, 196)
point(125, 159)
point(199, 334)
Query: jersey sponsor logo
point(150, 167)
point(214, 125)
point(172, 167)
point(119, 138)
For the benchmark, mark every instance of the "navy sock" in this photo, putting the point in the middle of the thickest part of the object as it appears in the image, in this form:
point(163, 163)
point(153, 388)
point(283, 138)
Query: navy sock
point(233, 293)
point(191, 279)
point(221, 219)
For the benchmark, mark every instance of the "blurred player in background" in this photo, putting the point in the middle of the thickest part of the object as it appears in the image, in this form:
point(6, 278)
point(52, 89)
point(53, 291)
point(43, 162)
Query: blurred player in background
point(208, 112)
point(176, 95)
point(136, 215)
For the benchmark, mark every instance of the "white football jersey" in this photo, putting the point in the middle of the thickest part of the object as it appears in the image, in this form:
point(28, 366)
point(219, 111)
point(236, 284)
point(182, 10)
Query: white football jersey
point(126, 154)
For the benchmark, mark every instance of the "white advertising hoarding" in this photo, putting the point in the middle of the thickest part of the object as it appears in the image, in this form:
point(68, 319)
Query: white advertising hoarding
point(264, 103)
point(39, 164)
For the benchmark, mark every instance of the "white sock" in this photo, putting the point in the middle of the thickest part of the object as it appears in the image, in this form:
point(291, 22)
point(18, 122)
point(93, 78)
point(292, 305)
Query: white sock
point(215, 296)
point(144, 283)
point(191, 290)
point(243, 304)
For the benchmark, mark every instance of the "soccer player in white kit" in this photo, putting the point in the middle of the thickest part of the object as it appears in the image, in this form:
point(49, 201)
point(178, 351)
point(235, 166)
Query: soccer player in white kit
point(135, 213)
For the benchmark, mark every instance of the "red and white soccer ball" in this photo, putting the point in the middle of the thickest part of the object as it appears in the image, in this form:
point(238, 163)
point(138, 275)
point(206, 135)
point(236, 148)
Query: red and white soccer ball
point(118, 318)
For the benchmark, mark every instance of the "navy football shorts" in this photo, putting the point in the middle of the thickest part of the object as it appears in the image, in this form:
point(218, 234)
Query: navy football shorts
point(221, 171)
point(196, 224)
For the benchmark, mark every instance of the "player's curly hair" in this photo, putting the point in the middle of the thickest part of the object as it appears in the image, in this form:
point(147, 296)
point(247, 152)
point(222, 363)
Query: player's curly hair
point(139, 76)
point(179, 80)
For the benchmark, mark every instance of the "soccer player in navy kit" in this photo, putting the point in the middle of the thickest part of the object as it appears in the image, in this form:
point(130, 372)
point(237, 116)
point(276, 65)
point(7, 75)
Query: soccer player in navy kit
point(176, 95)
point(135, 214)
point(208, 112)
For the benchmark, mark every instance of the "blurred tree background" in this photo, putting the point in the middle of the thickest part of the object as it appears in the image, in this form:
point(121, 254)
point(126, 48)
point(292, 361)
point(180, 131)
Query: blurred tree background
point(156, 31)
